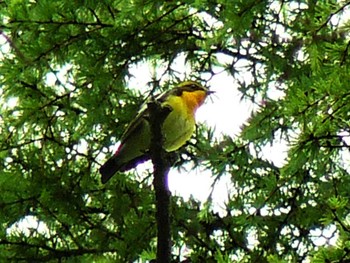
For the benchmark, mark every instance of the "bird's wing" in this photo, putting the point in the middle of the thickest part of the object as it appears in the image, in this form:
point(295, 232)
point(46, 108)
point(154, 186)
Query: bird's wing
point(143, 115)
point(136, 124)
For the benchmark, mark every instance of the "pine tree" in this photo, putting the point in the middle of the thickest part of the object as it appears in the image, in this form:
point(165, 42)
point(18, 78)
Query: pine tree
point(66, 98)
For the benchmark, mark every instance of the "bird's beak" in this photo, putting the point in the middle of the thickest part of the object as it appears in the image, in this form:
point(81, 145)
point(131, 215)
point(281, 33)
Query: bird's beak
point(210, 92)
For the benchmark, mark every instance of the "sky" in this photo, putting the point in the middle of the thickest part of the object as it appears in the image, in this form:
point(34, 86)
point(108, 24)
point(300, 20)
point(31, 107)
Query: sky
point(225, 112)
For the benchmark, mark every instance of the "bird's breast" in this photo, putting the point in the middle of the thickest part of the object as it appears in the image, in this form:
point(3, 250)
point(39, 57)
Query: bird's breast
point(178, 127)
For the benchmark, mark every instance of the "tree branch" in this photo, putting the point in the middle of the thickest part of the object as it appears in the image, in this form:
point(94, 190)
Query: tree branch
point(160, 169)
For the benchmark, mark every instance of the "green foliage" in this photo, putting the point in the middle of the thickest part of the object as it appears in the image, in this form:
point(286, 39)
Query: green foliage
point(65, 98)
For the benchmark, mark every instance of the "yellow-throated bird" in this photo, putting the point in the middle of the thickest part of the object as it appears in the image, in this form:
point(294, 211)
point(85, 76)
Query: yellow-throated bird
point(177, 128)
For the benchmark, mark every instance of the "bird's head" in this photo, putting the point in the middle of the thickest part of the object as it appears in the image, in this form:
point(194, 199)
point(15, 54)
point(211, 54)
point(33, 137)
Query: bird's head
point(193, 93)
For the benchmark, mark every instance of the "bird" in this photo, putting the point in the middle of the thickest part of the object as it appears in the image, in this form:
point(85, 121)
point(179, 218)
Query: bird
point(177, 128)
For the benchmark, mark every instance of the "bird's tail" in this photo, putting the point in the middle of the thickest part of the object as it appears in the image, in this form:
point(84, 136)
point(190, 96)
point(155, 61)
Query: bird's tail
point(116, 164)
point(109, 168)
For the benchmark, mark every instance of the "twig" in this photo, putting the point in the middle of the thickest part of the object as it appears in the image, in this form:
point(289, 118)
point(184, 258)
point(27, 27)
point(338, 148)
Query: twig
point(340, 9)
